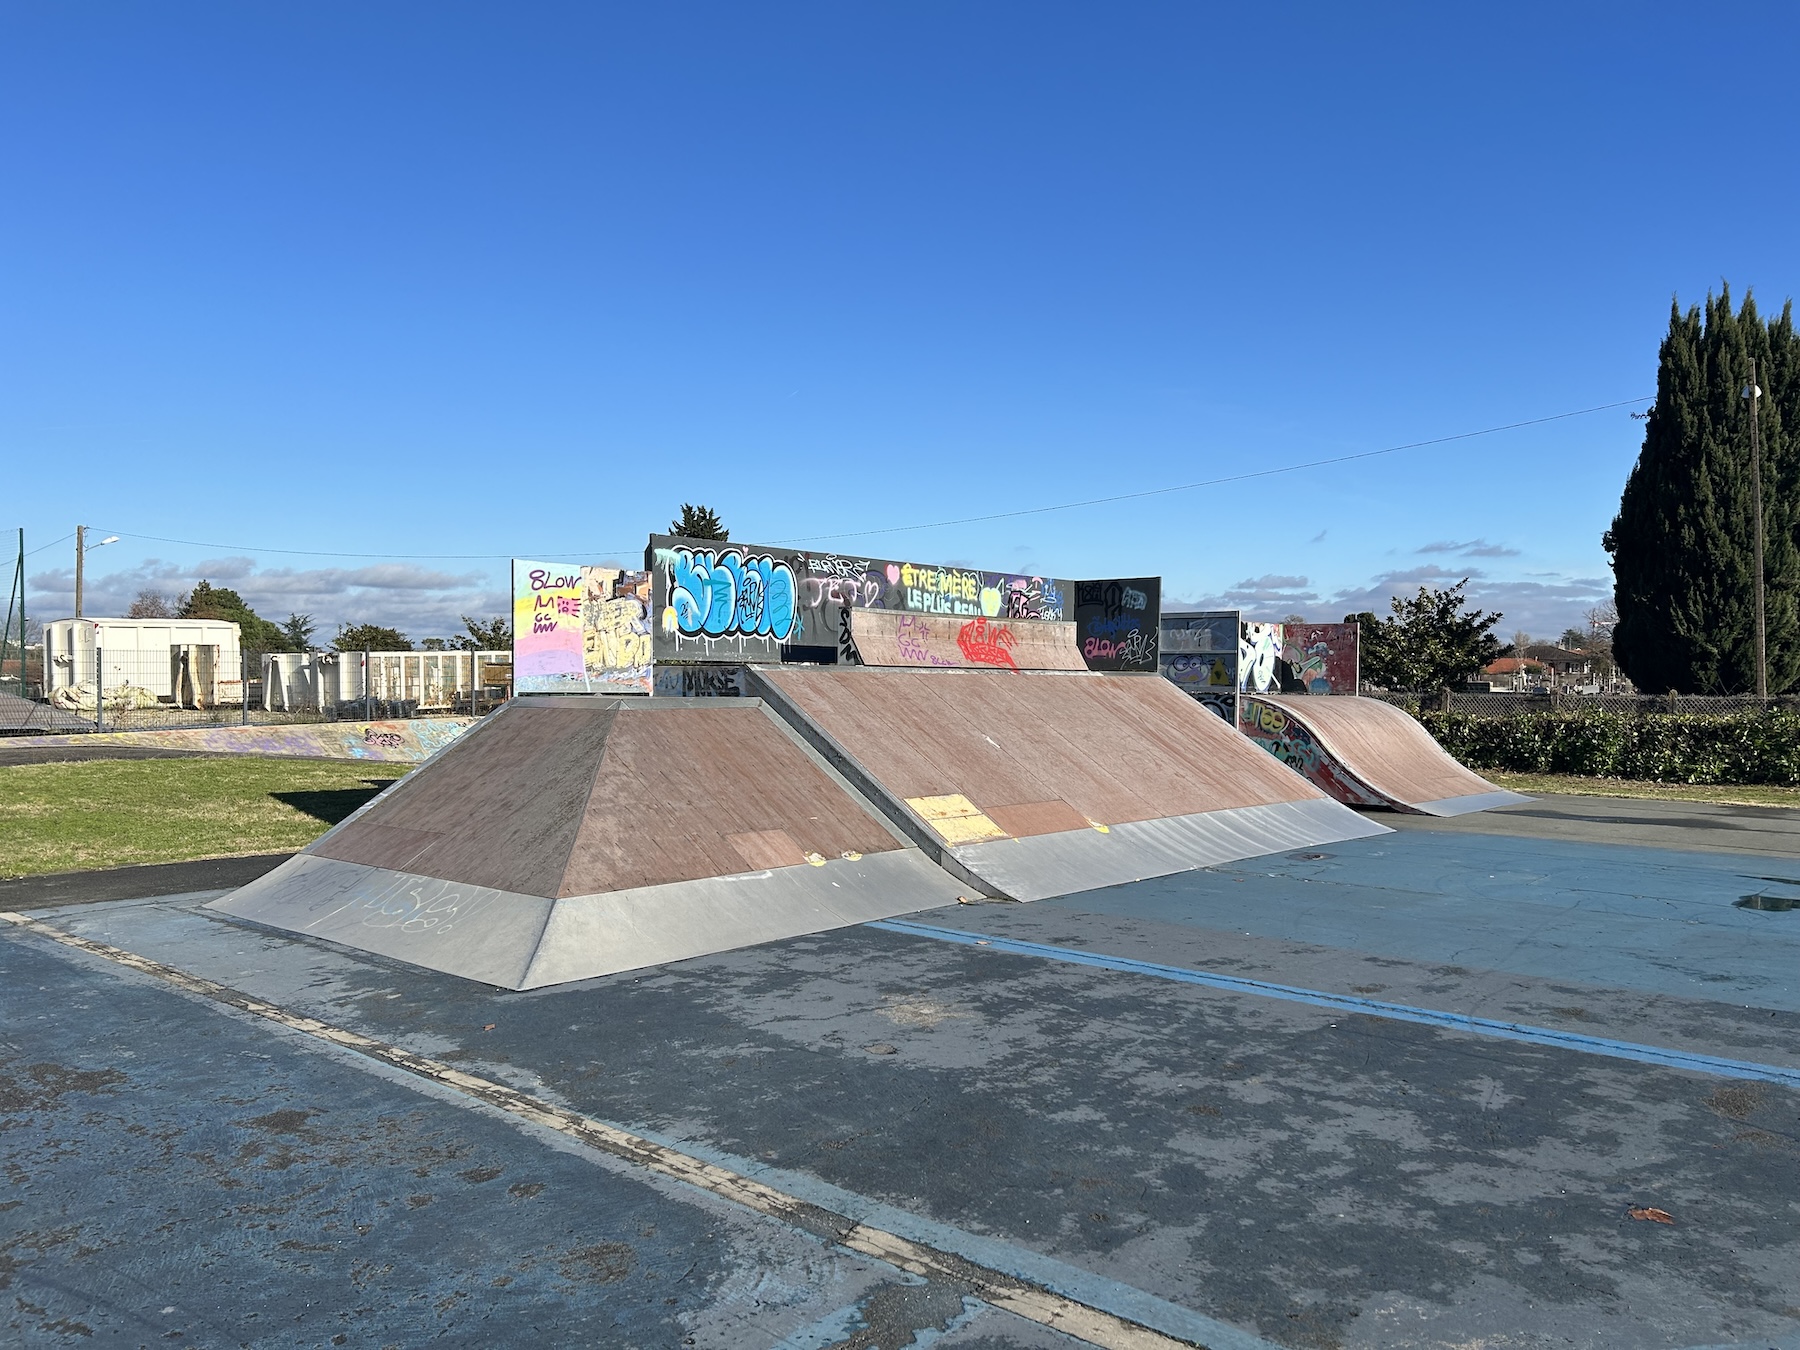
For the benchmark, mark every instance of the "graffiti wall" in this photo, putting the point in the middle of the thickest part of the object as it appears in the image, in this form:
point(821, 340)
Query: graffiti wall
point(750, 602)
point(1117, 622)
point(580, 630)
point(1298, 658)
point(1296, 747)
point(1320, 658)
point(898, 638)
point(1199, 653)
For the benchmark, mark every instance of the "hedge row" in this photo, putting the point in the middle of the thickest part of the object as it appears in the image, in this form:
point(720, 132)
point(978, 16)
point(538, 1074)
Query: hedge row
point(1756, 746)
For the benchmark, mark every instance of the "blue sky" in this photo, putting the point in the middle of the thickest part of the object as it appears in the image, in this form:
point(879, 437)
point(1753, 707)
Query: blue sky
point(456, 279)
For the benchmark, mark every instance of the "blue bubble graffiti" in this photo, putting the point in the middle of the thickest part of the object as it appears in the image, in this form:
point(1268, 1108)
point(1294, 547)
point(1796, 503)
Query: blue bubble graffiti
point(730, 595)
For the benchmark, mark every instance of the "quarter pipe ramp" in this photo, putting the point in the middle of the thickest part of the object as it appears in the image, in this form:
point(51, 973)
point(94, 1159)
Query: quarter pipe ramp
point(1365, 752)
point(1034, 784)
point(566, 838)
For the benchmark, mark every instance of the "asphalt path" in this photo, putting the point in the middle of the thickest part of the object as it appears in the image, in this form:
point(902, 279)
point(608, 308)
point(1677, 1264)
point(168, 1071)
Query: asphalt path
point(1216, 1164)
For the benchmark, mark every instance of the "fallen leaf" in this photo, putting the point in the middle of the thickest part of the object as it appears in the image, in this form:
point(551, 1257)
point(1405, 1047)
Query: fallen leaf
point(1654, 1215)
point(981, 942)
point(490, 1026)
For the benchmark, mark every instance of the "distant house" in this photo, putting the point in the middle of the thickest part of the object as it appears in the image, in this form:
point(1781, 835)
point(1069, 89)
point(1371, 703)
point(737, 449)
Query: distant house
point(1570, 670)
point(1515, 675)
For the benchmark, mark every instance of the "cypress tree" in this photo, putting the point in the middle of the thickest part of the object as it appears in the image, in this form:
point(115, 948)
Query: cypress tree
point(1682, 545)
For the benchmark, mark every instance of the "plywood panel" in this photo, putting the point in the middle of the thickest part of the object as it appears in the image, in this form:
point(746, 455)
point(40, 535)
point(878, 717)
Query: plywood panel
point(1383, 746)
point(941, 641)
point(679, 788)
point(501, 809)
point(1115, 748)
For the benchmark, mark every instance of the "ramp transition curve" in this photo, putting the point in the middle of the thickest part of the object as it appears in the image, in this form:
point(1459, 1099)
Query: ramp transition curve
point(1367, 753)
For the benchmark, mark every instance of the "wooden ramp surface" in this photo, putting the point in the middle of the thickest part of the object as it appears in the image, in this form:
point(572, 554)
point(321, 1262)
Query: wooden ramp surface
point(1042, 784)
point(1368, 753)
point(565, 838)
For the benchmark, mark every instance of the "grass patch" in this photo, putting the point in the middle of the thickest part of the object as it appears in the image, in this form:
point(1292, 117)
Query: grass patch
point(120, 812)
point(1625, 787)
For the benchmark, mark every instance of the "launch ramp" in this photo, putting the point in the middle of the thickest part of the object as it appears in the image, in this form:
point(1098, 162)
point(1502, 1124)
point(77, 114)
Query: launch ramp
point(565, 838)
point(1367, 753)
point(1039, 784)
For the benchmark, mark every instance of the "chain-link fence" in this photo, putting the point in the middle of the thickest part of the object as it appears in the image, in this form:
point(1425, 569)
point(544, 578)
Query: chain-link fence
point(90, 689)
point(1643, 705)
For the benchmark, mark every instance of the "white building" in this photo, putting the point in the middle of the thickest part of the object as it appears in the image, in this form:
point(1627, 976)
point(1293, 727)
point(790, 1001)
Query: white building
point(197, 659)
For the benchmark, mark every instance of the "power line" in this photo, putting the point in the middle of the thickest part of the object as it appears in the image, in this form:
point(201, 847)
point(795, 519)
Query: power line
point(52, 544)
point(897, 529)
point(1213, 482)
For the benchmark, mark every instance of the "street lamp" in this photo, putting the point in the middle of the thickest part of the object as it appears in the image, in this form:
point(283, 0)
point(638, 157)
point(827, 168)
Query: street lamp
point(81, 552)
point(1754, 394)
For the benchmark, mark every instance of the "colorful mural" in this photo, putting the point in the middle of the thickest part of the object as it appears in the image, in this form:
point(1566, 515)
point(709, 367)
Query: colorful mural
point(580, 630)
point(1298, 658)
point(405, 741)
point(1199, 654)
point(1295, 746)
point(1320, 658)
point(754, 602)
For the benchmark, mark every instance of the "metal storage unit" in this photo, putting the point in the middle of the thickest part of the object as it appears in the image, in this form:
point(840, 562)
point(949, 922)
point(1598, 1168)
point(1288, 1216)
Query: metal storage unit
point(141, 653)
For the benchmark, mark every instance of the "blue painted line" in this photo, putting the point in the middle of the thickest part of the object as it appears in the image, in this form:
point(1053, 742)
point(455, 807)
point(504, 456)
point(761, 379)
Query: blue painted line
point(1349, 1003)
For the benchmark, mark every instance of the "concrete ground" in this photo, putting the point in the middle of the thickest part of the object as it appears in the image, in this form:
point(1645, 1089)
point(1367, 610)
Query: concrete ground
point(1407, 1091)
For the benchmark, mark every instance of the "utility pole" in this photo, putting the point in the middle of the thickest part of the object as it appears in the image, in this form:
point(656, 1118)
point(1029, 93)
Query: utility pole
point(1754, 394)
point(80, 555)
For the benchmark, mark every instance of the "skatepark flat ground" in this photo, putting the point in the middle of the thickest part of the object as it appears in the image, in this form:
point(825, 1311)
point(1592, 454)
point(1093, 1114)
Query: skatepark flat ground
point(1399, 1091)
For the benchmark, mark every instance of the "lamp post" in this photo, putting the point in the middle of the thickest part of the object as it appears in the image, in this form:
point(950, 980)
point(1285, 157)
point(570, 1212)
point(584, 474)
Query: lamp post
point(1754, 394)
point(81, 552)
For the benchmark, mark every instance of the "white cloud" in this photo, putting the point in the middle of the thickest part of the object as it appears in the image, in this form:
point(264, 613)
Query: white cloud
point(419, 601)
point(1546, 605)
point(1473, 548)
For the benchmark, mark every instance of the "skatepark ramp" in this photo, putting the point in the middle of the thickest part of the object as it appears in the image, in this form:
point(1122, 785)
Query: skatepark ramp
point(1034, 784)
point(1365, 752)
point(566, 838)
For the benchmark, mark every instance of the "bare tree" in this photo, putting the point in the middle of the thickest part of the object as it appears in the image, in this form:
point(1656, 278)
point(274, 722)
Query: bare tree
point(153, 605)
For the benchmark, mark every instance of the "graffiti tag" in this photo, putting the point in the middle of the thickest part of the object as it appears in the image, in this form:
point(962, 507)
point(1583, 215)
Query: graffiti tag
point(987, 643)
point(730, 594)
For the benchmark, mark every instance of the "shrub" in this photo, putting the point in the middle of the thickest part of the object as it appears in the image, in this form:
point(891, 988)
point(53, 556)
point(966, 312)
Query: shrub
point(1752, 747)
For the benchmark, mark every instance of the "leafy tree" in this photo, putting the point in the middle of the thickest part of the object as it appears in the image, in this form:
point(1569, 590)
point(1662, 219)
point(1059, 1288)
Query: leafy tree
point(493, 636)
point(1683, 542)
point(433, 645)
point(369, 637)
point(297, 631)
point(255, 633)
point(699, 522)
point(1431, 640)
point(1573, 639)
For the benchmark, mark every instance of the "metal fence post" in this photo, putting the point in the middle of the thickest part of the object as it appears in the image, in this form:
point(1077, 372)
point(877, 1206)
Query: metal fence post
point(244, 682)
point(99, 690)
point(368, 705)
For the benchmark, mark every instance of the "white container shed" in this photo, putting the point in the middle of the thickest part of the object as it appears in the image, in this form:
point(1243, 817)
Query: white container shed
point(142, 653)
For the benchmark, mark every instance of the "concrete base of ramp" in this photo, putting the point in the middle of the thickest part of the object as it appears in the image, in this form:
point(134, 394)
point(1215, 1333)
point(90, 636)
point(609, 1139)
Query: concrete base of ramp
point(566, 838)
point(1365, 752)
point(1030, 785)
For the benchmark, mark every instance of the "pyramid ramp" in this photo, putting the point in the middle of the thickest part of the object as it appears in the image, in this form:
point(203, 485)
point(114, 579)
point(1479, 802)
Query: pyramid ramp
point(1367, 753)
point(567, 838)
point(1029, 785)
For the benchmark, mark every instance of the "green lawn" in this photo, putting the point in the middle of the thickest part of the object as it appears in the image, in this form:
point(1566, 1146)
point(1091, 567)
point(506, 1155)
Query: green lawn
point(1624, 787)
point(117, 812)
